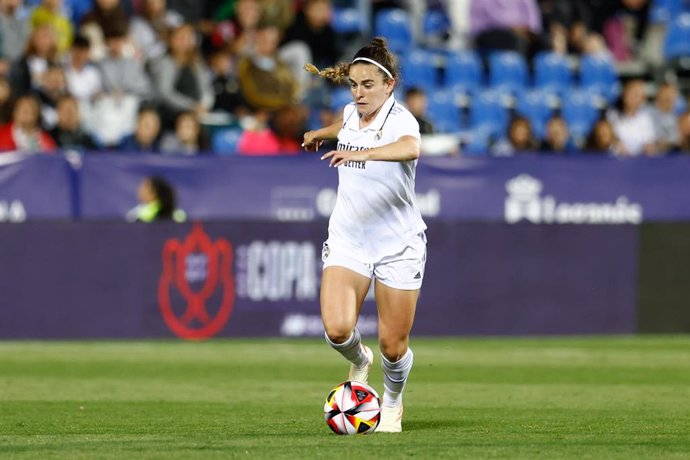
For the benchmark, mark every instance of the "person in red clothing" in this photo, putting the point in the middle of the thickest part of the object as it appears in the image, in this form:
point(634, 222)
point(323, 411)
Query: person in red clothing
point(24, 132)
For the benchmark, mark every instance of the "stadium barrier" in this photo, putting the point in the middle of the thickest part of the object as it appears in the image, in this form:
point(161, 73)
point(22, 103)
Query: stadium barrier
point(248, 262)
point(580, 190)
point(69, 280)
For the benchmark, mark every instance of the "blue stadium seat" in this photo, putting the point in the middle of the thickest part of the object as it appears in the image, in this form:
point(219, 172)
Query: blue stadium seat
point(224, 141)
point(580, 111)
point(395, 25)
point(478, 144)
point(436, 28)
point(677, 41)
point(340, 97)
point(436, 22)
point(419, 69)
point(662, 11)
point(508, 70)
point(346, 21)
point(463, 71)
point(488, 113)
point(535, 105)
point(598, 75)
point(442, 111)
point(552, 72)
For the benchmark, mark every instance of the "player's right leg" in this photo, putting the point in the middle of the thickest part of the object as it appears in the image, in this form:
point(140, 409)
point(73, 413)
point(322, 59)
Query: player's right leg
point(342, 294)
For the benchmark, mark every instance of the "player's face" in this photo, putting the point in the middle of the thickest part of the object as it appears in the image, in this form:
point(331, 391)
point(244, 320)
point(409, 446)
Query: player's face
point(369, 89)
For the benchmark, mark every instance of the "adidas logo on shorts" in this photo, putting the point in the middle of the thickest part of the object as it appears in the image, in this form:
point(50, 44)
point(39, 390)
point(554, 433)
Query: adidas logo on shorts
point(418, 276)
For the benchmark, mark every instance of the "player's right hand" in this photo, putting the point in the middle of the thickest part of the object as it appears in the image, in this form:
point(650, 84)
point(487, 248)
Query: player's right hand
point(311, 142)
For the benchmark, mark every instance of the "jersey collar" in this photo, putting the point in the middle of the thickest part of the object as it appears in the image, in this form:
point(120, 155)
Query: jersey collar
point(380, 119)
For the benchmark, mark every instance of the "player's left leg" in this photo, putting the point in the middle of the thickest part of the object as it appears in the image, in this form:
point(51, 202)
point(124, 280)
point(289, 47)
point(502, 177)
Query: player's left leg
point(398, 280)
point(396, 309)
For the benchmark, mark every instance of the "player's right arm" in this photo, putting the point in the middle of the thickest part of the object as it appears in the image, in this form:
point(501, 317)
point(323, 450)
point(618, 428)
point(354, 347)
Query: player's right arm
point(313, 139)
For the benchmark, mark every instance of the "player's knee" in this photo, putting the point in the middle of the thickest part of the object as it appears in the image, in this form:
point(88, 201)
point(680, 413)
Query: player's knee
point(338, 333)
point(393, 348)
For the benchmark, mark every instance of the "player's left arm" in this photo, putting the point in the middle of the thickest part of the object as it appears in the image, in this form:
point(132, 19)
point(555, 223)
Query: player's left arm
point(406, 148)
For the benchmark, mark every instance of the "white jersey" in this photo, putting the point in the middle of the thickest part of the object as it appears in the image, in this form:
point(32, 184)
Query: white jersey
point(376, 212)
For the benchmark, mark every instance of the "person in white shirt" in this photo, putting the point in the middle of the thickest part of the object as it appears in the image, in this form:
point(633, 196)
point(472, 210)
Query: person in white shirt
point(633, 122)
point(83, 78)
point(376, 230)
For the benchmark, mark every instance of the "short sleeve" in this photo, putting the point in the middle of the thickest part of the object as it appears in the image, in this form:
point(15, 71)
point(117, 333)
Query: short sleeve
point(405, 124)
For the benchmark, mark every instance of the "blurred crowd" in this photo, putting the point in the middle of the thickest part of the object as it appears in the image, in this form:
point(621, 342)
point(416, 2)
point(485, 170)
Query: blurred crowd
point(192, 77)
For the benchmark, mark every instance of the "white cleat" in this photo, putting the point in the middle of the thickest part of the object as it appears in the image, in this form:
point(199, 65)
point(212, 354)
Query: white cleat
point(391, 419)
point(361, 374)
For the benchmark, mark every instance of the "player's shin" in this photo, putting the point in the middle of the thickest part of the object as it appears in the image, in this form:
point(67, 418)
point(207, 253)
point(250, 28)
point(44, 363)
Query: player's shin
point(394, 378)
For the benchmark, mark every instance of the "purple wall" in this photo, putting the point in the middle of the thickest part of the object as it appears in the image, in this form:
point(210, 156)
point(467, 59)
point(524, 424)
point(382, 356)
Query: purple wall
point(116, 280)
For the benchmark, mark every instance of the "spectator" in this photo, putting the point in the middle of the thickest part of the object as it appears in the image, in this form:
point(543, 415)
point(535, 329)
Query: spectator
point(53, 88)
point(309, 39)
point(106, 15)
point(149, 29)
point(123, 75)
point(621, 22)
point(258, 139)
point(664, 117)
point(40, 53)
point(49, 12)
point(683, 133)
point(157, 202)
point(68, 134)
point(181, 77)
point(146, 134)
point(312, 26)
point(15, 32)
point(632, 121)
point(556, 138)
point(112, 115)
point(24, 132)
point(288, 124)
point(244, 24)
point(520, 138)
point(278, 12)
point(416, 102)
point(226, 88)
point(507, 25)
point(187, 138)
point(83, 78)
point(566, 24)
point(5, 101)
point(602, 139)
point(266, 82)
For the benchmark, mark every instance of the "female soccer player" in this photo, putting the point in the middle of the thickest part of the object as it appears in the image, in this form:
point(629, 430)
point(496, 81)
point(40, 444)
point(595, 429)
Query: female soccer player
point(376, 229)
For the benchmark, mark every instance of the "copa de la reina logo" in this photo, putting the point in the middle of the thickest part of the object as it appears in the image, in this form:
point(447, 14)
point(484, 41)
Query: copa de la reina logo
point(196, 289)
point(525, 202)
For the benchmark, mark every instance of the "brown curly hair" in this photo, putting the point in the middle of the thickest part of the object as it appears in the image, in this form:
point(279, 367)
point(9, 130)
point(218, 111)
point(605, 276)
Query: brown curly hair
point(377, 51)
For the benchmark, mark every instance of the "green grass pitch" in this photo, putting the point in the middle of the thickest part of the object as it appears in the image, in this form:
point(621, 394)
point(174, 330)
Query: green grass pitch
point(552, 398)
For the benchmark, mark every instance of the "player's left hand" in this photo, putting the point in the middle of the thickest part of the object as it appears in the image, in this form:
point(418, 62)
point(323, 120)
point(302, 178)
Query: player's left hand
point(339, 157)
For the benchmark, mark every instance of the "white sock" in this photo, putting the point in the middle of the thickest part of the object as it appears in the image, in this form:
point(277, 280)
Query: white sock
point(394, 378)
point(351, 349)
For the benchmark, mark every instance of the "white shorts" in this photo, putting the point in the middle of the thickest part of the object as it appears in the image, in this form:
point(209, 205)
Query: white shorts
point(404, 270)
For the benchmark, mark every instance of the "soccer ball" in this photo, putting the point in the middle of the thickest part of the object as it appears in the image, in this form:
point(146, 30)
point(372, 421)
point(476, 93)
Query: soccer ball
point(352, 408)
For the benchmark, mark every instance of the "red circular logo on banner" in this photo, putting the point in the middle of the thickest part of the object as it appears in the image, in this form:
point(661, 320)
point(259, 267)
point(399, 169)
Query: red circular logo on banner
point(180, 267)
